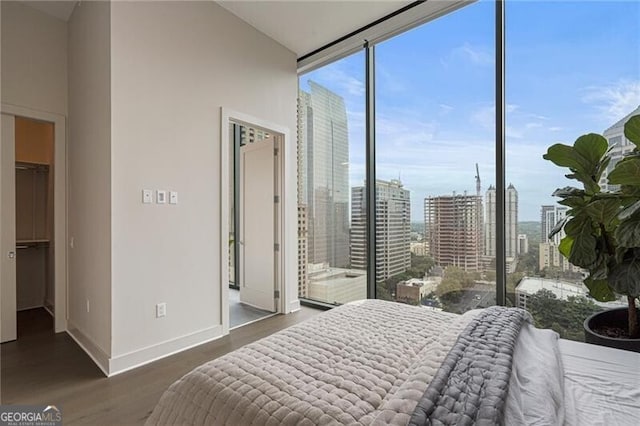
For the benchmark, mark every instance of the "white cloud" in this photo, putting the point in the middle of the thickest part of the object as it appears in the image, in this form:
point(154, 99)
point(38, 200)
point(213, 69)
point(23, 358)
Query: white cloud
point(476, 55)
point(445, 109)
point(614, 101)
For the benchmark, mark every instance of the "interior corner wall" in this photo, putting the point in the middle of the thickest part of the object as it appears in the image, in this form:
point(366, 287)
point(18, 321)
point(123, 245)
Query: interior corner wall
point(34, 59)
point(173, 66)
point(89, 168)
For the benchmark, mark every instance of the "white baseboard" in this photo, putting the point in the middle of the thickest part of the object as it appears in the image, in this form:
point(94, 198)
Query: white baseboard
point(125, 362)
point(95, 353)
point(294, 306)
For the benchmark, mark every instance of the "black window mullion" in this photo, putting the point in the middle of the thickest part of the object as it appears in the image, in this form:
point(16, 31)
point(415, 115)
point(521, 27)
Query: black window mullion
point(370, 184)
point(501, 254)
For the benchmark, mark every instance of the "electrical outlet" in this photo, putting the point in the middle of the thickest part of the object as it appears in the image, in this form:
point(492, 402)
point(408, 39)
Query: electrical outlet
point(161, 196)
point(88, 306)
point(161, 310)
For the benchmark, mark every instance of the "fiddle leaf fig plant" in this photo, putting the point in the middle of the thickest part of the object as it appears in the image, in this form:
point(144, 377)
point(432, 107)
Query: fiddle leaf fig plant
point(602, 228)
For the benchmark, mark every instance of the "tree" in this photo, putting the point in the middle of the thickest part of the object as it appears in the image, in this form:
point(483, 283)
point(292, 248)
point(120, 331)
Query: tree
point(564, 317)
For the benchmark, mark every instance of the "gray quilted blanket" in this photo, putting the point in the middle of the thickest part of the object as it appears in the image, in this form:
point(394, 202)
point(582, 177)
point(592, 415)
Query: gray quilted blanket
point(364, 363)
point(471, 386)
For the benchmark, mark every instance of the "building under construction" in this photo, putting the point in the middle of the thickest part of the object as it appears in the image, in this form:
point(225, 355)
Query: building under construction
point(454, 230)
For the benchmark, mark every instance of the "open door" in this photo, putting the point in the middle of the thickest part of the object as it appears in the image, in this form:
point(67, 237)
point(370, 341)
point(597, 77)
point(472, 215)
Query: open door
point(258, 223)
point(8, 330)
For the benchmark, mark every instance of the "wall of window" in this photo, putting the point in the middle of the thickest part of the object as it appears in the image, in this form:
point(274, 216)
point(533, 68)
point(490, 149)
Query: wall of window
point(435, 162)
point(437, 220)
point(571, 68)
point(331, 163)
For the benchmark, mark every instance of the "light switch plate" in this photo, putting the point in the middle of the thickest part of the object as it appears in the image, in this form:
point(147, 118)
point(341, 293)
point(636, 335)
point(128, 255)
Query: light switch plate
point(147, 196)
point(161, 196)
point(173, 197)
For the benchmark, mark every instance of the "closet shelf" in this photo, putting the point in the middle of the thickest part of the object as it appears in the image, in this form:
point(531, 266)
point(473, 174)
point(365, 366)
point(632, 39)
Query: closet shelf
point(22, 244)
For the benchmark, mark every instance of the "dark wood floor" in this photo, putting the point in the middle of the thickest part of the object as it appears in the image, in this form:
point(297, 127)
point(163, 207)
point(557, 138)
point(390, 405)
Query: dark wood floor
point(46, 368)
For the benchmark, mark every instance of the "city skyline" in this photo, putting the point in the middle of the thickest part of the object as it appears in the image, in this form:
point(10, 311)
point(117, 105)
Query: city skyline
point(435, 97)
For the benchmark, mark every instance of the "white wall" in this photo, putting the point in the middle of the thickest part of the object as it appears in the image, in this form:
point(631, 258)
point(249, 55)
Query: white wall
point(34, 59)
point(174, 64)
point(89, 151)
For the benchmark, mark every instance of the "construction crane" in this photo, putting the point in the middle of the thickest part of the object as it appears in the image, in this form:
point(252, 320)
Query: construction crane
point(477, 180)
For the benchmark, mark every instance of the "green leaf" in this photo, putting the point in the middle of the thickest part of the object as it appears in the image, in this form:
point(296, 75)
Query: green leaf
point(630, 191)
point(565, 246)
point(625, 277)
point(600, 290)
point(568, 191)
point(628, 232)
point(626, 172)
point(583, 250)
point(587, 179)
point(603, 210)
point(591, 147)
point(558, 227)
point(575, 224)
point(601, 269)
point(632, 130)
point(573, 202)
point(621, 252)
point(564, 156)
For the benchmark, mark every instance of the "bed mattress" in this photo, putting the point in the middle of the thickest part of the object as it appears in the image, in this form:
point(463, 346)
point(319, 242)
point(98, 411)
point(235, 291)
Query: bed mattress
point(366, 363)
point(376, 363)
point(602, 385)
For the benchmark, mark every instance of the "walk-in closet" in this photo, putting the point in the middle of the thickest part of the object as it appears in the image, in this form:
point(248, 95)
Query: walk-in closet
point(34, 194)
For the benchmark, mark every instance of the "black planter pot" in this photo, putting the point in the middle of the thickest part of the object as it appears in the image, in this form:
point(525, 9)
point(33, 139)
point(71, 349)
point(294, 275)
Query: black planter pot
point(614, 317)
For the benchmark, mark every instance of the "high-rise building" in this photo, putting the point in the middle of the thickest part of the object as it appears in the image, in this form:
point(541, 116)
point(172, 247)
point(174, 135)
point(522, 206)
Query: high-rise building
point(323, 163)
point(490, 222)
point(549, 217)
point(453, 230)
point(523, 244)
point(510, 222)
point(619, 146)
point(393, 229)
point(549, 255)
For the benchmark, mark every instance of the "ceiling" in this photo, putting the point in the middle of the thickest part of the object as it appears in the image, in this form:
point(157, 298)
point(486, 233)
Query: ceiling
point(302, 26)
point(306, 25)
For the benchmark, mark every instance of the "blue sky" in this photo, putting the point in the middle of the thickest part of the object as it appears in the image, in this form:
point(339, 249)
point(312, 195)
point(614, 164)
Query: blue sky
point(572, 68)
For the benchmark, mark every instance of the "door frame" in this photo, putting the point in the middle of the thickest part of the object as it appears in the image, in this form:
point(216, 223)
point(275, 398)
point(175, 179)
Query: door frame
point(60, 205)
point(229, 117)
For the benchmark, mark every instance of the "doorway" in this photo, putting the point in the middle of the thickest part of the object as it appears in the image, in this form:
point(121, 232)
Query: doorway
point(254, 224)
point(32, 223)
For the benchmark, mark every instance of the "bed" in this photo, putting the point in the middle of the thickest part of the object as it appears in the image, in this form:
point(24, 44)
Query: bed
point(382, 363)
